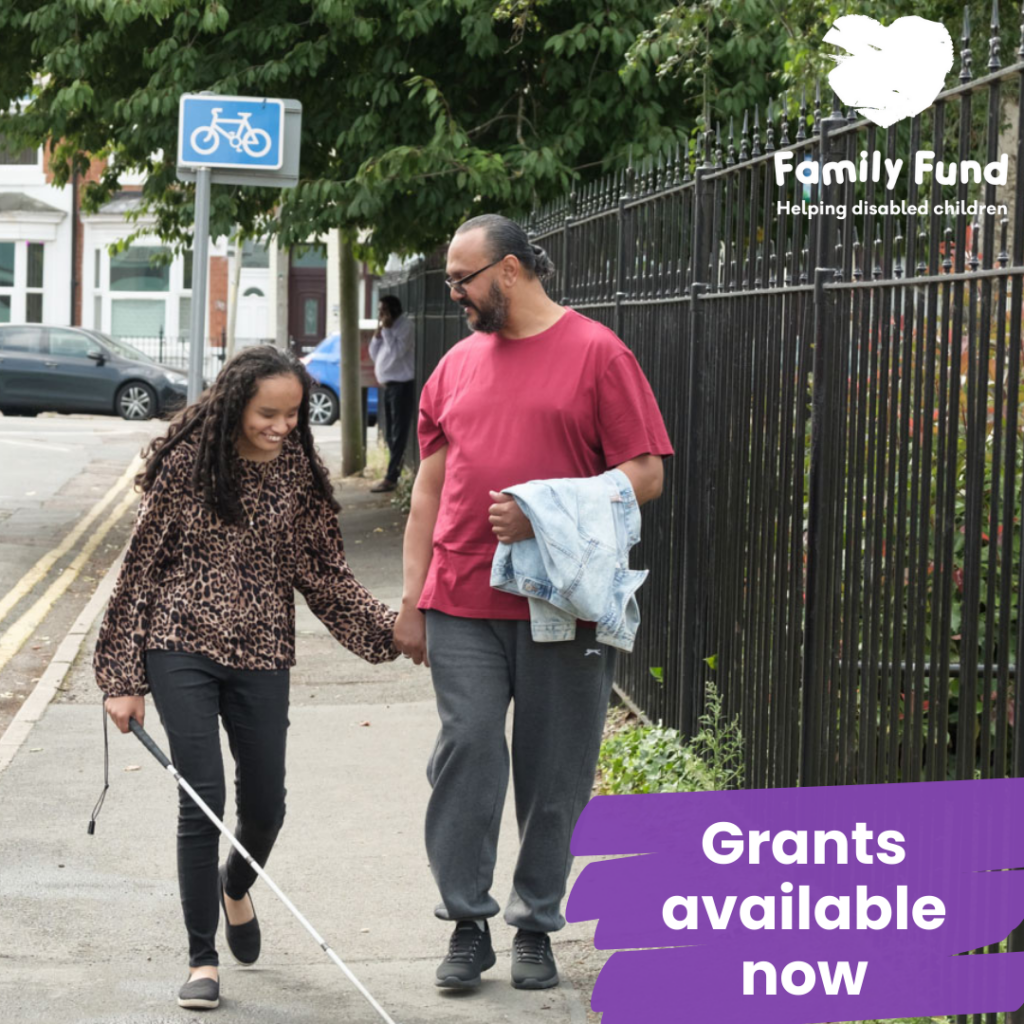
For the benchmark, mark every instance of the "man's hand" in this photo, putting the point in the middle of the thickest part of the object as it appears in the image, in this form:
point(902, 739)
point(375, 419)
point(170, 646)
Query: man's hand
point(508, 522)
point(122, 709)
point(411, 635)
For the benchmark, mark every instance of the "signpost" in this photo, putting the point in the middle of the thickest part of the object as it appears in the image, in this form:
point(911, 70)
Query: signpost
point(231, 140)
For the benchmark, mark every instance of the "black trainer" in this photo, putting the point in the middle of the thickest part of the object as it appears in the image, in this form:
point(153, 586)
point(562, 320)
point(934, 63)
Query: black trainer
point(533, 963)
point(200, 994)
point(243, 939)
point(469, 952)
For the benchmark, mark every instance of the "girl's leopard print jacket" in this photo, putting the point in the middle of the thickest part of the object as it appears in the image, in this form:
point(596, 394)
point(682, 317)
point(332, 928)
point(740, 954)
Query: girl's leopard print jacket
point(192, 583)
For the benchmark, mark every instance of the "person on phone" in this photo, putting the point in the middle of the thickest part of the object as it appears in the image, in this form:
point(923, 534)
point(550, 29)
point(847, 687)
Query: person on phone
point(237, 513)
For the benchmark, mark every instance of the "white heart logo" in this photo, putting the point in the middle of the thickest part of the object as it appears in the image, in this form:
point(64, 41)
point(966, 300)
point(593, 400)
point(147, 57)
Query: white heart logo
point(891, 72)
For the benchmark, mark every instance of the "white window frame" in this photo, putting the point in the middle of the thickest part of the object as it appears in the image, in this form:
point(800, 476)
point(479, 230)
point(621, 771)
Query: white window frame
point(19, 291)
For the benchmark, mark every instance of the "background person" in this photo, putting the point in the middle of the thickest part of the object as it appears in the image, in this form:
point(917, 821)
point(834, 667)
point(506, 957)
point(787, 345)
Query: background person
point(237, 512)
point(537, 392)
point(392, 350)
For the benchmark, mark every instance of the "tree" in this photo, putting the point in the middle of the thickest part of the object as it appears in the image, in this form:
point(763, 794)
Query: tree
point(414, 115)
point(738, 53)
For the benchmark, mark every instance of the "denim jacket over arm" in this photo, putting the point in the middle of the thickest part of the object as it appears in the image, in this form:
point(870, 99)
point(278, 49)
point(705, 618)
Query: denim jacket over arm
point(577, 564)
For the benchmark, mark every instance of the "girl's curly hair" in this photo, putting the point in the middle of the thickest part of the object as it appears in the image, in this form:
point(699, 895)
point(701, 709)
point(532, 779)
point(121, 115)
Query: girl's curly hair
point(215, 420)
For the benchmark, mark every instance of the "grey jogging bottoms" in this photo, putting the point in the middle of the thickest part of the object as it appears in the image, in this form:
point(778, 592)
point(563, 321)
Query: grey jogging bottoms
point(561, 693)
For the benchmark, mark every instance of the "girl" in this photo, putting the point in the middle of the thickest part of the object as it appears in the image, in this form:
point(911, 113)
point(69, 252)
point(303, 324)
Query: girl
point(237, 510)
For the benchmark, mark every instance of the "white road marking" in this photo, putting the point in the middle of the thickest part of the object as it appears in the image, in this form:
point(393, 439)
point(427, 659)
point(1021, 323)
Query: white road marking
point(35, 444)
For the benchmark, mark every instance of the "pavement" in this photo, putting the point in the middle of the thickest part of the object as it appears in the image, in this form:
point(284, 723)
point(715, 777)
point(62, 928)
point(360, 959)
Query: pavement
point(90, 926)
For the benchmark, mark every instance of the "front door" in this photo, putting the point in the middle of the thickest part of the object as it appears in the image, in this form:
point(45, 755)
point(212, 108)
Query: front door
point(307, 298)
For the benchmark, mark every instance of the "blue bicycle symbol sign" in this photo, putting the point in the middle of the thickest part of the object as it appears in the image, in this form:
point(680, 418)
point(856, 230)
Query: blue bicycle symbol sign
point(230, 131)
point(254, 141)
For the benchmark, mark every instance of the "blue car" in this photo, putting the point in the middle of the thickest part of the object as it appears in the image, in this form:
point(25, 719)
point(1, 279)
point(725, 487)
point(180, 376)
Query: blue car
point(324, 365)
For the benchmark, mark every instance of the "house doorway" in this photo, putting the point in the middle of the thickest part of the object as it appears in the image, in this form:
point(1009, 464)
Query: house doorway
point(307, 297)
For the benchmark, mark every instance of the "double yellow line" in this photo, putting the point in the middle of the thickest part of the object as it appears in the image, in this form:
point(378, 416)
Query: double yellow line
point(14, 637)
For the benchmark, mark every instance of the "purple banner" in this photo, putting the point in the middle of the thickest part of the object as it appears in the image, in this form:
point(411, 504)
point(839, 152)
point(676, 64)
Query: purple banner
point(805, 905)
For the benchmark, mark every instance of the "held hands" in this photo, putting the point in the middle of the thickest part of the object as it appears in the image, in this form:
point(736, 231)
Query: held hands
point(123, 709)
point(411, 635)
point(508, 522)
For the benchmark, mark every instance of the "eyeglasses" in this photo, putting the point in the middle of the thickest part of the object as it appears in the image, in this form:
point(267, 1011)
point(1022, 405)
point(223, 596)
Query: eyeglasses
point(460, 285)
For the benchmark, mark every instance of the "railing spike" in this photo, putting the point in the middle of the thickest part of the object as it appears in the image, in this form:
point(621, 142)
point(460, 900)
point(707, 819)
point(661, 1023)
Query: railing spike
point(718, 144)
point(756, 150)
point(994, 58)
point(744, 142)
point(801, 124)
point(1020, 48)
point(966, 70)
point(769, 145)
point(817, 107)
point(731, 155)
point(974, 262)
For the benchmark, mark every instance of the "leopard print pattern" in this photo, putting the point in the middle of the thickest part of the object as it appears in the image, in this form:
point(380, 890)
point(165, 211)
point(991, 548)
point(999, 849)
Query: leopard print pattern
point(190, 582)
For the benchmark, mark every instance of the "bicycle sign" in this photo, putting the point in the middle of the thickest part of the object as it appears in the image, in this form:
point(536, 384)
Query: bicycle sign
point(230, 131)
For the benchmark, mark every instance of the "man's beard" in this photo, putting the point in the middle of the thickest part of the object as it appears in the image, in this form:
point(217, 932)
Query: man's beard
point(492, 316)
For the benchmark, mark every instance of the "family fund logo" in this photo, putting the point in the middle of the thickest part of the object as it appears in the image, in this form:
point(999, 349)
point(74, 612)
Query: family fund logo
point(889, 72)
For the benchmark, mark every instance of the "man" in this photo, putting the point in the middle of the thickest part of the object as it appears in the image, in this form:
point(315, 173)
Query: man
point(538, 391)
point(392, 352)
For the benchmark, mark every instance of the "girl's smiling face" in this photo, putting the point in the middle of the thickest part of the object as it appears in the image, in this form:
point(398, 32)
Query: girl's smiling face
point(269, 417)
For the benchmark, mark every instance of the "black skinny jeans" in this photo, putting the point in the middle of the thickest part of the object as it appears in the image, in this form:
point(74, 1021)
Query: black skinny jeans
point(190, 693)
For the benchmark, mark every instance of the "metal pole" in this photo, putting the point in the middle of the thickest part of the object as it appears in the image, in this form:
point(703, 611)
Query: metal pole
point(200, 270)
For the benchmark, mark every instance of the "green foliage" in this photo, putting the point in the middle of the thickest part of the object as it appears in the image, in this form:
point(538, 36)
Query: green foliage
point(653, 759)
point(732, 54)
point(415, 116)
point(402, 498)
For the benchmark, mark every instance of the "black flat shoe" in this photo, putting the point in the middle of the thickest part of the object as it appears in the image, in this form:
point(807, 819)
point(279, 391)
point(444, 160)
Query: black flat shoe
point(243, 939)
point(200, 994)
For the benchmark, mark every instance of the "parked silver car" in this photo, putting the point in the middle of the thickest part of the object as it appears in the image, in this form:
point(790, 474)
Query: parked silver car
point(72, 369)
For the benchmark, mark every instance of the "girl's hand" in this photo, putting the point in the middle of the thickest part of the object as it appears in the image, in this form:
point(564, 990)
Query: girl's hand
point(411, 635)
point(123, 709)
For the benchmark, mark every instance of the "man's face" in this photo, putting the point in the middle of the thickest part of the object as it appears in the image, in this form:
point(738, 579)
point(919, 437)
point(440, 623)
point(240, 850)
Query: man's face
point(483, 300)
point(384, 314)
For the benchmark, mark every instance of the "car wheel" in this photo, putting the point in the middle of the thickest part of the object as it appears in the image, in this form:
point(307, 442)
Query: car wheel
point(323, 407)
point(136, 401)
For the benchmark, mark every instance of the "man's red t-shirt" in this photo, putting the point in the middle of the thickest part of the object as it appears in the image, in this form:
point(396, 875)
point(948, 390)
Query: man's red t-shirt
point(571, 401)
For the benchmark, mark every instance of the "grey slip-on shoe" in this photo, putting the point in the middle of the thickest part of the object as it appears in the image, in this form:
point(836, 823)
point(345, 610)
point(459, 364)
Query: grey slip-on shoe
point(200, 994)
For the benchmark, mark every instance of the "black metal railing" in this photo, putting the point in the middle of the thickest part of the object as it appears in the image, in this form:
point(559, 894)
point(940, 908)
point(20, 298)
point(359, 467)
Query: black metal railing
point(174, 350)
point(839, 542)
